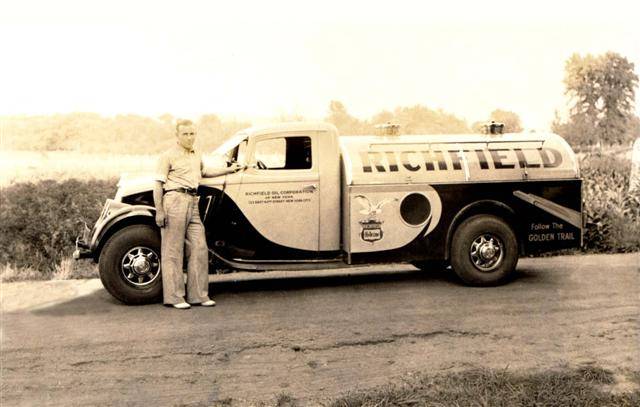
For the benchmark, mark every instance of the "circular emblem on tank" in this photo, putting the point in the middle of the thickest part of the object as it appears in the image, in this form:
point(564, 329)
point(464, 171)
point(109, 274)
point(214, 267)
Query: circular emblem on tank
point(415, 209)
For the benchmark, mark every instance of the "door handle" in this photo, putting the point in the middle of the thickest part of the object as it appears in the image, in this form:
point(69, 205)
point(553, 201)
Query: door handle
point(311, 187)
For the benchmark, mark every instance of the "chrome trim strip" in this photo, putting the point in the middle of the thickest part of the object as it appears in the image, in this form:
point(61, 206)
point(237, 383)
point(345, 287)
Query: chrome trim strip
point(287, 261)
point(570, 216)
point(430, 143)
point(502, 181)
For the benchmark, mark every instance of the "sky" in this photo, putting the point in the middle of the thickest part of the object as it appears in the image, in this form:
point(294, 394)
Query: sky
point(266, 59)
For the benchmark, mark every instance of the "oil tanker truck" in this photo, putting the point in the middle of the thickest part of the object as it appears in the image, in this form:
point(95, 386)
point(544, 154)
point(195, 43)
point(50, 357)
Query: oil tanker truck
point(307, 198)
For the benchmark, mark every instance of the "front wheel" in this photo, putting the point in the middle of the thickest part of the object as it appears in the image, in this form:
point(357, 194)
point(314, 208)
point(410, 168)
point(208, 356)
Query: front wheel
point(130, 265)
point(484, 250)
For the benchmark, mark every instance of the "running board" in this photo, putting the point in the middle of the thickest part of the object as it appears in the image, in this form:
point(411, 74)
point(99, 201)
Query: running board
point(566, 214)
point(272, 265)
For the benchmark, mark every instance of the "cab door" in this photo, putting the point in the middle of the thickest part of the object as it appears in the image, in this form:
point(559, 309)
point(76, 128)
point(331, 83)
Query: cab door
point(280, 190)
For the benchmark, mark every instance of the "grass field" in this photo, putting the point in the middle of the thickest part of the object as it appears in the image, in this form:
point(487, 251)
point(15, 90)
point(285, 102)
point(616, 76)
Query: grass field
point(580, 386)
point(32, 166)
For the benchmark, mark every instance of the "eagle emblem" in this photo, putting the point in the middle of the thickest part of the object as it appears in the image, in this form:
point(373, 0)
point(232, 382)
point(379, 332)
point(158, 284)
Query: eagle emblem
point(371, 225)
point(370, 209)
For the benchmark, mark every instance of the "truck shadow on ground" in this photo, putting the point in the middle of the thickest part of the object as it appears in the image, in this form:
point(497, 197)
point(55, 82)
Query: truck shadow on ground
point(263, 282)
point(101, 302)
point(435, 276)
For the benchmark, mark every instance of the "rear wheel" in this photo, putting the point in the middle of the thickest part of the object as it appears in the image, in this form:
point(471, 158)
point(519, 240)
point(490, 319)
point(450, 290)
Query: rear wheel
point(484, 250)
point(130, 265)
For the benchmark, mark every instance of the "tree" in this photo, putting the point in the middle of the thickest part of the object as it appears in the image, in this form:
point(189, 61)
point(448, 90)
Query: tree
point(510, 120)
point(602, 93)
point(419, 119)
point(212, 131)
point(290, 117)
point(382, 117)
point(167, 119)
point(209, 131)
point(345, 123)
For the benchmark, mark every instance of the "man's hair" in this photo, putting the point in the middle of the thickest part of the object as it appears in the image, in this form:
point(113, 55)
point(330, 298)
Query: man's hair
point(183, 122)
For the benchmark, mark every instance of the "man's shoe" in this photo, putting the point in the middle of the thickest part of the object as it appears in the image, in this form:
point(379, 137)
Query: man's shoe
point(208, 303)
point(181, 305)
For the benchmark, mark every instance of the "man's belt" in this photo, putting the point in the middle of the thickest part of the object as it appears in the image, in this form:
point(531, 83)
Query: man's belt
point(190, 191)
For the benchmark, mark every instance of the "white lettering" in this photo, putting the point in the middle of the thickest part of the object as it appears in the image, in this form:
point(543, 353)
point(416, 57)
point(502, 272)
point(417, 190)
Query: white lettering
point(540, 226)
point(565, 236)
point(542, 237)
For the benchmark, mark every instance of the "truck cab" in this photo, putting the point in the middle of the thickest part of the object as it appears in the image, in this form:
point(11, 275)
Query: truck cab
point(283, 206)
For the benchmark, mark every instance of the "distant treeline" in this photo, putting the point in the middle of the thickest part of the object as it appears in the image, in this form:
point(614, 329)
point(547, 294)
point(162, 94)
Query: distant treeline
point(600, 88)
point(135, 134)
point(91, 132)
point(417, 119)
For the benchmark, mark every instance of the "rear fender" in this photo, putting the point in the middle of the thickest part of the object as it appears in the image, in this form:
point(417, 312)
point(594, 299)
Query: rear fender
point(489, 207)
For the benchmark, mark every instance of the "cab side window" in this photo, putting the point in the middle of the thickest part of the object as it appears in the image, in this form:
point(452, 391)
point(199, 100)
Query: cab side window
point(284, 153)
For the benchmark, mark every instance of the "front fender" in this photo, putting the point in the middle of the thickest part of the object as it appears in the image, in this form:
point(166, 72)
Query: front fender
point(112, 218)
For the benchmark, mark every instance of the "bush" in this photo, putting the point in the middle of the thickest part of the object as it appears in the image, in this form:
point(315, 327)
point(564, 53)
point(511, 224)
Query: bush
point(613, 215)
point(40, 221)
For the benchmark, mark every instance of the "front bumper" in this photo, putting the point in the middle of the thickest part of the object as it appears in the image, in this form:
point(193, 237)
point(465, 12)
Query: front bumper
point(83, 248)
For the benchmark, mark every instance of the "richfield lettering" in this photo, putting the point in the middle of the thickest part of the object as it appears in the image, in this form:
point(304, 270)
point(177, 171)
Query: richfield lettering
point(443, 160)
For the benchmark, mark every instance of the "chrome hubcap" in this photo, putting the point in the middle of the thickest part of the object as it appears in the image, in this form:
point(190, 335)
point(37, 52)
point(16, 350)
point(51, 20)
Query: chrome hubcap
point(486, 252)
point(140, 266)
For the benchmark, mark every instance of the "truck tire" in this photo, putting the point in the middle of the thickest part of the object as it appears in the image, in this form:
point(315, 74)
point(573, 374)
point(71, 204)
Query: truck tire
point(130, 265)
point(484, 251)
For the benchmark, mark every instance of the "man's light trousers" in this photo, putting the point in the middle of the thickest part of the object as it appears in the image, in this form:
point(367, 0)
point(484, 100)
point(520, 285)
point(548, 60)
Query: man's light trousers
point(183, 224)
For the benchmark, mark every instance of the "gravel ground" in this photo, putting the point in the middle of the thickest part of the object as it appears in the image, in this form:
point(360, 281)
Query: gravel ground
point(313, 335)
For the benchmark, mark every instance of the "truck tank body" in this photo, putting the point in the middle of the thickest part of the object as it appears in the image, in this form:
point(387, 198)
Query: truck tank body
point(401, 194)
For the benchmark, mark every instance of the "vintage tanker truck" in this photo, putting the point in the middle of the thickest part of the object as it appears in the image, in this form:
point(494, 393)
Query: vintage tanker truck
point(309, 198)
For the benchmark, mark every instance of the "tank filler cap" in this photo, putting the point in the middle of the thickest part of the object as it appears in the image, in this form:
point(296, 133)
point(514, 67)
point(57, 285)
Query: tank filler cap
point(388, 129)
point(493, 128)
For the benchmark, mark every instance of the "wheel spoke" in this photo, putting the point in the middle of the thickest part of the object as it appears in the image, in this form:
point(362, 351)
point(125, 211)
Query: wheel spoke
point(486, 252)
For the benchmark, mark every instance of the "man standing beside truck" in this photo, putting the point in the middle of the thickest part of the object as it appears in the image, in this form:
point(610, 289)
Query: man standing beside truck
point(176, 200)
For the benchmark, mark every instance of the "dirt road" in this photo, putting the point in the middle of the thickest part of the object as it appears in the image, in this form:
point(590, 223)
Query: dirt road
point(313, 336)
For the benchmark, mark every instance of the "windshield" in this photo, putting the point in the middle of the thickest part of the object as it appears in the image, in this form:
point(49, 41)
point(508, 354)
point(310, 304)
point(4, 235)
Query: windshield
point(228, 149)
